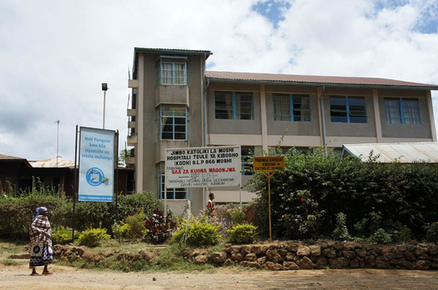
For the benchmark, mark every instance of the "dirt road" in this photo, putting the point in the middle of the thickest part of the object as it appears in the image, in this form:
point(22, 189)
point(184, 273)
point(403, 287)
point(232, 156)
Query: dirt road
point(66, 278)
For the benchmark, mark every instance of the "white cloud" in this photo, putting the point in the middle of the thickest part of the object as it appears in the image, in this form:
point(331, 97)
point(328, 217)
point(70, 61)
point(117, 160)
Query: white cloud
point(56, 54)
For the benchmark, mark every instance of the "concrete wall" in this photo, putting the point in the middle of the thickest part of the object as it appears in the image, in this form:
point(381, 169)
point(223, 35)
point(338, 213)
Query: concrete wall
point(349, 129)
point(148, 111)
point(152, 95)
point(221, 126)
point(406, 130)
point(195, 80)
point(289, 127)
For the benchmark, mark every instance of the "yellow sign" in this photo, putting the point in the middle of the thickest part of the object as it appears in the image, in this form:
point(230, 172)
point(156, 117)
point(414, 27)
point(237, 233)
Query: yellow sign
point(268, 163)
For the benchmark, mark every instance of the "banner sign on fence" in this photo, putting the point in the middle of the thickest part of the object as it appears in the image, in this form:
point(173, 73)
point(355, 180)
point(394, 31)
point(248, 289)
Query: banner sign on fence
point(203, 167)
point(96, 165)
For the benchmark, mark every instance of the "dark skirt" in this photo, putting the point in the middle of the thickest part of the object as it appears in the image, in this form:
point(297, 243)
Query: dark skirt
point(40, 255)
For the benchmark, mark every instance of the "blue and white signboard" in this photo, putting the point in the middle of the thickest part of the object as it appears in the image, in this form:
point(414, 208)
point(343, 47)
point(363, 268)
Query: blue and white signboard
point(96, 165)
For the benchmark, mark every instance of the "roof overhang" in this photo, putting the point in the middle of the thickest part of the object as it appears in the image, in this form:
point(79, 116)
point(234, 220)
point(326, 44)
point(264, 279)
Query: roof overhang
point(315, 81)
point(19, 161)
point(395, 152)
point(166, 51)
point(321, 84)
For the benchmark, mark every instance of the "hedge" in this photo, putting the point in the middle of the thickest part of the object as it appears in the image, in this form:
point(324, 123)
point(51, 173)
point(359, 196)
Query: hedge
point(401, 199)
point(16, 213)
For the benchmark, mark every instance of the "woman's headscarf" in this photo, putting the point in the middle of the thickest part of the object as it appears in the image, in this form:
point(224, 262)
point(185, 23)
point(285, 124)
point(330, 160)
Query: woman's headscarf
point(39, 210)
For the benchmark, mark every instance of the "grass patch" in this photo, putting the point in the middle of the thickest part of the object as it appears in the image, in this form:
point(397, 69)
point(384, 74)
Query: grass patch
point(162, 258)
point(8, 248)
point(9, 262)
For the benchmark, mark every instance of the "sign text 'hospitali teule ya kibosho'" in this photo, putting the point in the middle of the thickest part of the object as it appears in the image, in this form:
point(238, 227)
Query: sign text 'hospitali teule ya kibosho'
point(203, 167)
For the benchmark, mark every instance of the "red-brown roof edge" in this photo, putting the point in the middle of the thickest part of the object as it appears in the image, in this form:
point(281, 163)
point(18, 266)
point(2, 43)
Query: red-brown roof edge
point(313, 80)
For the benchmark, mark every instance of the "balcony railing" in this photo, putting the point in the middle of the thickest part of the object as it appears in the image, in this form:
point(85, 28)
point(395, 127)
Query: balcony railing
point(132, 112)
point(132, 140)
point(133, 84)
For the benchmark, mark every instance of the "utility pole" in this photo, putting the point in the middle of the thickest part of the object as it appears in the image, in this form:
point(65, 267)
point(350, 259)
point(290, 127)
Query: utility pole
point(104, 89)
point(57, 142)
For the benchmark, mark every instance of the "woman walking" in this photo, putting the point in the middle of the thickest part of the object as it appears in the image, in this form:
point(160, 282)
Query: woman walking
point(41, 253)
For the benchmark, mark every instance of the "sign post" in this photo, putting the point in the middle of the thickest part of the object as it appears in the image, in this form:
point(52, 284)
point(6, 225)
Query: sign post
point(97, 161)
point(203, 167)
point(268, 165)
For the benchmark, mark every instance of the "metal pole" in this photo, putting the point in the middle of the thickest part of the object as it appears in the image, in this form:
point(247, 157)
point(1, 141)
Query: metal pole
point(207, 192)
point(57, 143)
point(323, 126)
point(75, 185)
point(104, 104)
point(269, 201)
point(117, 175)
point(165, 197)
point(240, 196)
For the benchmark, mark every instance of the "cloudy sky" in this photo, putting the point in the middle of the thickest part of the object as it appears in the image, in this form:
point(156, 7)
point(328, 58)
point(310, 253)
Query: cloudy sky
point(54, 54)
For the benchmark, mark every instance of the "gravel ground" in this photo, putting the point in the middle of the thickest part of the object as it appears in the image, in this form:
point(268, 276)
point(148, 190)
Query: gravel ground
point(66, 278)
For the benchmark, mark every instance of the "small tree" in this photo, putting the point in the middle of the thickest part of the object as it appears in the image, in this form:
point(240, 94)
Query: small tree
point(122, 157)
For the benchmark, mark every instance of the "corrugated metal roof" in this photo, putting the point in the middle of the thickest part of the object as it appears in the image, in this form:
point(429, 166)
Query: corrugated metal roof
point(7, 157)
point(314, 80)
point(396, 152)
point(52, 163)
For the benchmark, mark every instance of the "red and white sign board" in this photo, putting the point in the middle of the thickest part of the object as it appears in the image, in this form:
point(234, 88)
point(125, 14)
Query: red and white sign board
point(203, 167)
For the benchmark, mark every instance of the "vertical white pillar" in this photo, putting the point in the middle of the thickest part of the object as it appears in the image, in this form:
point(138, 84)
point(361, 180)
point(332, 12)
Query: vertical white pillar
point(431, 117)
point(139, 128)
point(264, 122)
point(377, 121)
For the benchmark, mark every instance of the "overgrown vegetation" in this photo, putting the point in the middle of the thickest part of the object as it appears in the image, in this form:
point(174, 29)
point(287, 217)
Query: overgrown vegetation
point(92, 237)
point(387, 201)
point(242, 234)
point(16, 212)
point(63, 236)
point(197, 232)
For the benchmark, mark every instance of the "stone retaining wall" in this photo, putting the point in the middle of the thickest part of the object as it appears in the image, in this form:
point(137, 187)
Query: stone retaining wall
point(292, 256)
point(333, 255)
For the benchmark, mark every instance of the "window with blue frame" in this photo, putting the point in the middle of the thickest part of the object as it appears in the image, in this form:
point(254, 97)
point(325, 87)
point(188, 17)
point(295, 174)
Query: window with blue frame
point(171, 122)
point(288, 107)
point(348, 109)
point(173, 72)
point(293, 150)
point(172, 193)
point(234, 106)
point(402, 111)
point(246, 152)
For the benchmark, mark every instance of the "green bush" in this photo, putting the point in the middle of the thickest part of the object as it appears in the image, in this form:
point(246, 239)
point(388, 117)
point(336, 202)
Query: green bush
point(237, 215)
point(92, 237)
point(63, 236)
point(17, 212)
point(117, 231)
point(197, 232)
point(432, 232)
point(134, 227)
point(242, 234)
point(381, 237)
point(371, 195)
point(341, 231)
point(402, 234)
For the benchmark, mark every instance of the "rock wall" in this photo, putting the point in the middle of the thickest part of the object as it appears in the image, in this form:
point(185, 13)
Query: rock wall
point(333, 255)
point(292, 256)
